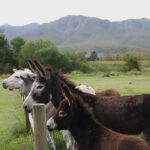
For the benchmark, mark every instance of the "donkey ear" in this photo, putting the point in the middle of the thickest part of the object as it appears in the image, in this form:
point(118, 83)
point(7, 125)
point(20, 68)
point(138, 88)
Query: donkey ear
point(28, 77)
point(14, 69)
point(32, 66)
point(48, 72)
point(23, 78)
point(68, 95)
point(36, 67)
point(40, 68)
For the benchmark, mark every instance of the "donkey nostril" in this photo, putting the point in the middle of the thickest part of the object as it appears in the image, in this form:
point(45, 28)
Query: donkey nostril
point(4, 85)
point(48, 127)
point(25, 107)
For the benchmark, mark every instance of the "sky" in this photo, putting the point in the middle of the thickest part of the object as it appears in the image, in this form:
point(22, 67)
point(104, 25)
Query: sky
point(21, 12)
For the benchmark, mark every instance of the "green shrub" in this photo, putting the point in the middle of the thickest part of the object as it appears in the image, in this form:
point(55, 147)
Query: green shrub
point(131, 62)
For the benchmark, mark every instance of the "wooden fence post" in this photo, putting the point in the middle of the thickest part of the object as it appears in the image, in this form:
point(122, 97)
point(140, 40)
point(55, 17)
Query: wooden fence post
point(39, 117)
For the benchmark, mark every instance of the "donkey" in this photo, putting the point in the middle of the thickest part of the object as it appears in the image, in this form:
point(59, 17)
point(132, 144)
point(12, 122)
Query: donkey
point(86, 89)
point(124, 114)
point(23, 80)
point(74, 114)
point(20, 79)
point(108, 92)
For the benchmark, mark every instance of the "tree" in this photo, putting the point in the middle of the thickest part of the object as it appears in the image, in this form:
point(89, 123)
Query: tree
point(131, 62)
point(6, 54)
point(17, 42)
point(48, 55)
point(30, 48)
point(81, 55)
point(93, 56)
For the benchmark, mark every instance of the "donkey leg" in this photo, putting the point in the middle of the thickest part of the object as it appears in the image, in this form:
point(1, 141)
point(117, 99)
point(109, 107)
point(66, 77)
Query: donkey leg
point(146, 135)
point(27, 121)
point(69, 140)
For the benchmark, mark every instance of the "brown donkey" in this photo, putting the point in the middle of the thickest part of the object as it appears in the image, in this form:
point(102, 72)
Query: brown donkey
point(107, 92)
point(125, 114)
point(75, 115)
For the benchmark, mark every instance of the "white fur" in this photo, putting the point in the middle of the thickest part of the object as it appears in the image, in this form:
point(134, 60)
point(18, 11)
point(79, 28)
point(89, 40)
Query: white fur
point(28, 103)
point(16, 82)
point(68, 138)
point(51, 123)
point(85, 89)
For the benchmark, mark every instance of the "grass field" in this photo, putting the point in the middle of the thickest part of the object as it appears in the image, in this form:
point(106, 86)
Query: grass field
point(107, 66)
point(129, 83)
point(12, 127)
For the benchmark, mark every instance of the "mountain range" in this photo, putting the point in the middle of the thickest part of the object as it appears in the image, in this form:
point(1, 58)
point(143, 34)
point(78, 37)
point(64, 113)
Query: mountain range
point(88, 33)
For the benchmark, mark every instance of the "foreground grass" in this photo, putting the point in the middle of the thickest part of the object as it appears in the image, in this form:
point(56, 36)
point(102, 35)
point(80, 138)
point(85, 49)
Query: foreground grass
point(12, 125)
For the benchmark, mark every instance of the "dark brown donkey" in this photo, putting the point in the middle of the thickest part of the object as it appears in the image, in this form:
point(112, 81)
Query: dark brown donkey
point(107, 92)
point(75, 115)
point(125, 114)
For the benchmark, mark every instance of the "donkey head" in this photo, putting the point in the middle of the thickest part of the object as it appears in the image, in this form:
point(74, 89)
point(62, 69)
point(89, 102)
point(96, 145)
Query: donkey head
point(64, 115)
point(46, 86)
point(20, 79)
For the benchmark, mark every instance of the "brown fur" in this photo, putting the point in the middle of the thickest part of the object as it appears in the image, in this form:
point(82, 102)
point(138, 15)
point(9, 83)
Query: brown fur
point(88, 132)
point(107, 92)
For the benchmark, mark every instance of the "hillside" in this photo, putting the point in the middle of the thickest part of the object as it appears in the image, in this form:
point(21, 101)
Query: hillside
point(88, 33)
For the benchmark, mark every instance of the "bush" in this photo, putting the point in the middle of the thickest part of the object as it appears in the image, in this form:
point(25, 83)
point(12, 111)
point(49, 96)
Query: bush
point(47, 53)
point(7, 60)
point(30, 49)
point(131, 62)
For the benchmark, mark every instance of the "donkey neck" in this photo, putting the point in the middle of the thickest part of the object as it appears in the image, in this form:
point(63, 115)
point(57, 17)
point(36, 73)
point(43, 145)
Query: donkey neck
point(68, 82)
point(55, 87)
point(55, 90)
point(85, 130)
point(25, 87)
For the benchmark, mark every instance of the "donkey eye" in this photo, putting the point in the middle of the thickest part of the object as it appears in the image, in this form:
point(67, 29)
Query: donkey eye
point(62, 113)
point(16, 77)
point(39, 86)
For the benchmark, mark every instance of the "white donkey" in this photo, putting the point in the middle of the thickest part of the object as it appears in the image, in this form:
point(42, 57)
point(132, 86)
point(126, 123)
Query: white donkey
point(20, 79)
point(23, 80)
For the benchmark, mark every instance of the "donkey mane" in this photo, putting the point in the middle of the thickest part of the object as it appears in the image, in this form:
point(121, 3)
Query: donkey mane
point(88, 98)
point(70, 83)
point(89, 110)
point(86, 106)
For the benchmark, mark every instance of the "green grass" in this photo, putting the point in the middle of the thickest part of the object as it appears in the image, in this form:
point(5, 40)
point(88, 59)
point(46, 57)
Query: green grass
point(12, 127)
point(128, 83)
point(112, 65)
point(13, 135)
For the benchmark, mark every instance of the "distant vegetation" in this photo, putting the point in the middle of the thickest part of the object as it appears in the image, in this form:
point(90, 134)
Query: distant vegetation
point(18, 51)
point(131, 62)
point(16, 54)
